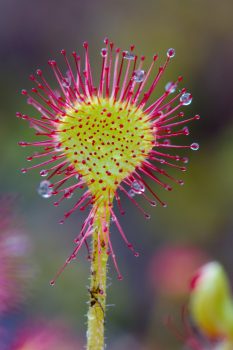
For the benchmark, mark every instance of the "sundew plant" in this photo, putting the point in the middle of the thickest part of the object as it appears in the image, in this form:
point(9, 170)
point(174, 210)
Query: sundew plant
point(108, 139)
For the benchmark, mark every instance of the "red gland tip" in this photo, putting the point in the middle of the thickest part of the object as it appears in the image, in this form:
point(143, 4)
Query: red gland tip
point(85, 44)
point(52, 62)
point(22, 143)
point(24, 92)
point(39, 72)
point(63, 52)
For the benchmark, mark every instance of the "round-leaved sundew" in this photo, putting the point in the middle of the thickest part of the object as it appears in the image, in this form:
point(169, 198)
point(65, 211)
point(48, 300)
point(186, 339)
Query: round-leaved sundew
point(107, 139)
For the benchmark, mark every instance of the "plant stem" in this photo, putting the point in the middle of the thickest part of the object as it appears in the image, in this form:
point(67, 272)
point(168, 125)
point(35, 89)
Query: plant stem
point(97, 290)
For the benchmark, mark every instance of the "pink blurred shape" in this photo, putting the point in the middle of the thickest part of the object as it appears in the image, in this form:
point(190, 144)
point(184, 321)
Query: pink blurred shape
point(172, 267)
point(46, 336)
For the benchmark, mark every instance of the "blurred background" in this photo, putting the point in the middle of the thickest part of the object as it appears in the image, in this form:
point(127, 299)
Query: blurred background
point(197, 225)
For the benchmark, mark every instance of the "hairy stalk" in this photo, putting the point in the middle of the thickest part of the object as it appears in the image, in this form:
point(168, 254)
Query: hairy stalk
point(97, 290)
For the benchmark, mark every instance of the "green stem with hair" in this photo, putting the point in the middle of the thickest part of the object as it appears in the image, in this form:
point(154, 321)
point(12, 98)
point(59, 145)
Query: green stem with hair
point(97, 290)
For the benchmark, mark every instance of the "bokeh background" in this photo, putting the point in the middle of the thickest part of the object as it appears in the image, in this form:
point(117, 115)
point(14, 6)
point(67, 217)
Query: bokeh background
point(197, 225)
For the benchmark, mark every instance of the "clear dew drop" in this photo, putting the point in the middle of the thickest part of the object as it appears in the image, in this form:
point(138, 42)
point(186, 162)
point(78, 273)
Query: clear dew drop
point(129, 55)
point(57, 93)
point(171, 53)
point(138, 187)
point(168, 187)
point(131, 193)
point(170, 87)
point(186, 99)
point(66, 83)
point(194, 146)
point(68, 194)
point(58, 147)
point(43, 172)
point(139, 75)
point(113, 218)
point(44, 190)
point(103, 52)
point(186, 130)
